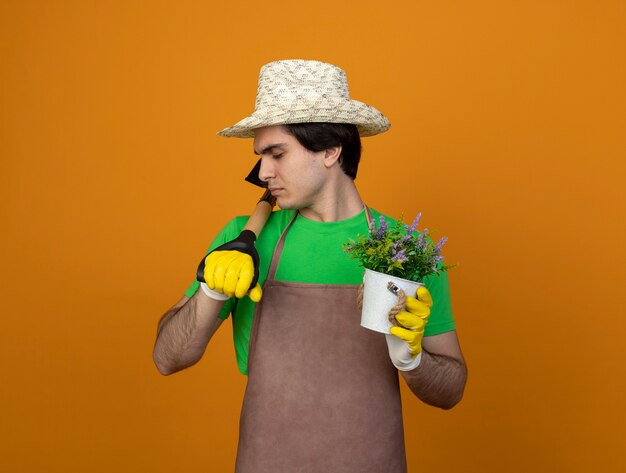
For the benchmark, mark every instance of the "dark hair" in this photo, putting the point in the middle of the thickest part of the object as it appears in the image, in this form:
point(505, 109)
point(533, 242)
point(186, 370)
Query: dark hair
point(320, 136)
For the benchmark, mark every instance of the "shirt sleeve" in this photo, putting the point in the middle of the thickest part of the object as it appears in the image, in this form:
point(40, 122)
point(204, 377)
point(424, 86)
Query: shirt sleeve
point(230, 231)
point(440, 319)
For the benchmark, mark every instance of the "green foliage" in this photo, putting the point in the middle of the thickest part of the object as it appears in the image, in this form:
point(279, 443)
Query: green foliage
point(398, 250)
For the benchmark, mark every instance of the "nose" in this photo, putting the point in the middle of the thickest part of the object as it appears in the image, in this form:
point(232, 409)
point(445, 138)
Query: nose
point(266, 171)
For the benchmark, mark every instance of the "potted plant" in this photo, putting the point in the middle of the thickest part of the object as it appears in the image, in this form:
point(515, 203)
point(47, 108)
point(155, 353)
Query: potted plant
point(394, 256)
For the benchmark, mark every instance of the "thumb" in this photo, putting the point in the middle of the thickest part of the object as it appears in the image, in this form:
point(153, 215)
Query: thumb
point(255, 293)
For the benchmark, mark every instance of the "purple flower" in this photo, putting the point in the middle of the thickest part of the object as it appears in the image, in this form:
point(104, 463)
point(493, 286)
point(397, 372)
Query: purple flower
point(399, 256)
point(415, 222)
point(395, 247)
point(372, 226)
point(382, 229)
point(440, 243)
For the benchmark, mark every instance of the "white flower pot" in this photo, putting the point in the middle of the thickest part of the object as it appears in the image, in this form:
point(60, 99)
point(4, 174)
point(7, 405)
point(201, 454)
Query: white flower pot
point(378, 299)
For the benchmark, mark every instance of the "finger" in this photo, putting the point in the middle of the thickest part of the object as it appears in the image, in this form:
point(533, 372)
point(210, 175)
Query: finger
point(209, 268)
point(403, 334)
point(424, 295)
point(410, 321)
point(233, 273)
point(221, 265)
point(417, 307)
point(256, 293)
point(246, 274)
point(414, 339)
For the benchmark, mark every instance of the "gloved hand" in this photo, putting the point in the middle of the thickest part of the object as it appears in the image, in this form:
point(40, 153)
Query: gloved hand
point(405, 342)
point(232, 269)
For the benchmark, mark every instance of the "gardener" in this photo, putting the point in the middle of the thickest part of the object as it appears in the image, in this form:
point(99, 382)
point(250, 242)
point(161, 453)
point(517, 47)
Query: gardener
point(323, 392)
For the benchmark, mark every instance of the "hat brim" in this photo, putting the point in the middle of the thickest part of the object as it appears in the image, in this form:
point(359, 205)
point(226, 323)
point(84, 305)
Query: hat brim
point(367, 119)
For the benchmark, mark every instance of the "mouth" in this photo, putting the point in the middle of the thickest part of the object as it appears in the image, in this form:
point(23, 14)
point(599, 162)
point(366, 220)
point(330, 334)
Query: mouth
point(275, 190)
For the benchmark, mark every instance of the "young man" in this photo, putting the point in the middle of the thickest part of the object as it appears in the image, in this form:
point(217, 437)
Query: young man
point(323, 392)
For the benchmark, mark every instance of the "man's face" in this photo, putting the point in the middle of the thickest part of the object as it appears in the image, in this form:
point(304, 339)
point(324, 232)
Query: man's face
point(294, 175)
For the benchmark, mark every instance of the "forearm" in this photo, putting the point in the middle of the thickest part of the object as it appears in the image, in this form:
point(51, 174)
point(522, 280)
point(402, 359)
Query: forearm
point(439, 380)
point(183, 333)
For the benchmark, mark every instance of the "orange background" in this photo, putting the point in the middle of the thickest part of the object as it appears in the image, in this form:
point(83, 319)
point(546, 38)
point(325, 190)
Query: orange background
point(508, 134)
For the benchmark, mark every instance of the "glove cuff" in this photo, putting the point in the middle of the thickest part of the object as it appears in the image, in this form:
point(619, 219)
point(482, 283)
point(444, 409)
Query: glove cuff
point(414, 363)
point(213, 294)
point(247, 236)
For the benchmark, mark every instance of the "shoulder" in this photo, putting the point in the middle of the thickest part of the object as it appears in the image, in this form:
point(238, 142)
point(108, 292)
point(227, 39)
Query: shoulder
point(273, 228)
point(376, 216)
point(236, 224)
point(278, 218)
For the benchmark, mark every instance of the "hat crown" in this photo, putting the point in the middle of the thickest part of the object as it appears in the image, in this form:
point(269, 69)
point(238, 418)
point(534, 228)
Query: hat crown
point(302, 91)
point(293, 80)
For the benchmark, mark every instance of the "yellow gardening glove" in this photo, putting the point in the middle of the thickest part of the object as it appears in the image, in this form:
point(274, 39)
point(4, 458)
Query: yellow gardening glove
point(405, 341)
point(230, 272)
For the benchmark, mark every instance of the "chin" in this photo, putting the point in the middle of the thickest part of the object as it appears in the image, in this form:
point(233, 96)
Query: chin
point(291, 204)
point(284, 204)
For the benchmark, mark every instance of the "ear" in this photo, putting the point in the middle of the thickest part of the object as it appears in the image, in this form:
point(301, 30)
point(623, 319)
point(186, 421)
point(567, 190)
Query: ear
point(331, 156)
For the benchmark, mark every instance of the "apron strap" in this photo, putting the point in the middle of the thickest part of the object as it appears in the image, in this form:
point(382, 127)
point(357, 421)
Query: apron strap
point(368, 214)
point(278, 250)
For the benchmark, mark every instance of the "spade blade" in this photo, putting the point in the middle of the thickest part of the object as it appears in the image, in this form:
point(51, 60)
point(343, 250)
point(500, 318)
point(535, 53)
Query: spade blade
point(253, 176)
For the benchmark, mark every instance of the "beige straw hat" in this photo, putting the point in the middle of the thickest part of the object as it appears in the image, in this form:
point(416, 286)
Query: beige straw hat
point(299, 91)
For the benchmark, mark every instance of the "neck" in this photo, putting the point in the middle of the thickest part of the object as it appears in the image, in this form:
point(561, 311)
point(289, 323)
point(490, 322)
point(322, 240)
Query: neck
point(339, 200)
